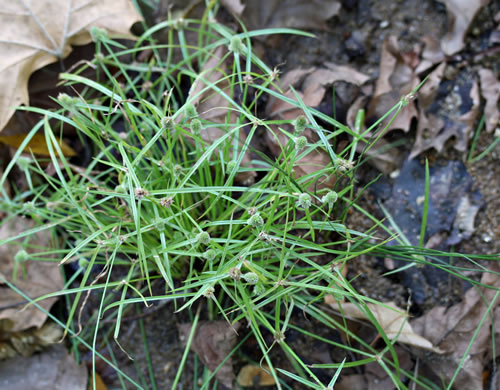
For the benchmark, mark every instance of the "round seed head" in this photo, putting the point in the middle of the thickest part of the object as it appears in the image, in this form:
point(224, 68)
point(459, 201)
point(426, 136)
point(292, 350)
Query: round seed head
point(209, 293)
point(195, 126)
point(98, 34)
point(168, 123)
point(209, 255)
point(140, 193)
point(259, 289)
point(166, 202)
point(203, 238)
point(255, 220)
point(330, 198)
point(305, 201)
point(190, 110)
point(300, 143)
point(235, 273)
point(21, 256)
point(235, 45)
point(251, 277)
point(300, 123)
point(121, 189)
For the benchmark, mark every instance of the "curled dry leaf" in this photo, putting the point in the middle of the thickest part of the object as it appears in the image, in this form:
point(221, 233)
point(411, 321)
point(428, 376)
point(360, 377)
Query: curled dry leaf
point(431, 53)
point(313, 83)
point(490, 89)
point(213, 106)
point(460, 15)
point(397, 78)
point(53, 369)
point(452, 329)
point(37, 33)
point(394, 322)
point(34, 278)
point(212, 342)
point(251, 375)
point(448, 108)
point(299, 14)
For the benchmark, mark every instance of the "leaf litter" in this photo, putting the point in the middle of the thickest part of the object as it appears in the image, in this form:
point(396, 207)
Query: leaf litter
point(37, 33)
point(34, 277)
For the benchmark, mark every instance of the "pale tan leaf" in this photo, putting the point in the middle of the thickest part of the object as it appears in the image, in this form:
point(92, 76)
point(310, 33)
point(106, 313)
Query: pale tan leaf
point(460, 15)
point(393, 321)
point(41, 277)
point(251, 375)
point(490, 89)
point(452, 329)
point(36, 33)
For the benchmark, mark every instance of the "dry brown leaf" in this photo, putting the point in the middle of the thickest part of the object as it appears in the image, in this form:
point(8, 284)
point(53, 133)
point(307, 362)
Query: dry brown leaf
point(490, 89)
point(29, 341)
point(375, 377)
point(213, 106)
point(313, 83)
point(251, 375)
point(451, 114)
point(234, 6)
point(452, 329)
point(431, 54)
point(393, 320)
point(37, 33)
point(212, 342)
point(397, 78)
point(41, 277)
point(460, 15)
point(300, 14)
point(53, 369)
point(37, 144)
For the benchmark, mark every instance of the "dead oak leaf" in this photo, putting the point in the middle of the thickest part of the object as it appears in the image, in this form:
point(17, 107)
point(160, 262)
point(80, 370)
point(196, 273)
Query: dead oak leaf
point(37, 33)
point(212, 342)
point(453, 328)
point(34, 278)
point(490, 89)
point(460, 15)
point(393, 321)
point(310, 85)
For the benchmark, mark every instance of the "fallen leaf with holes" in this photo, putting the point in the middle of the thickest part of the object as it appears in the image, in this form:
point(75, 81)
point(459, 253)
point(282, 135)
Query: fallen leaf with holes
point(212, 342)
point(393, 321)
point(300, 14)
point(447, 109)
point(37, 33)
point(310, 85)
point(460, 15)
point(213, 106)
point(490, 89)
point(251, 375)
point(34, 278)
point(397, 78)
point(37, 144)
point(452, 329)
point(52, 369)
